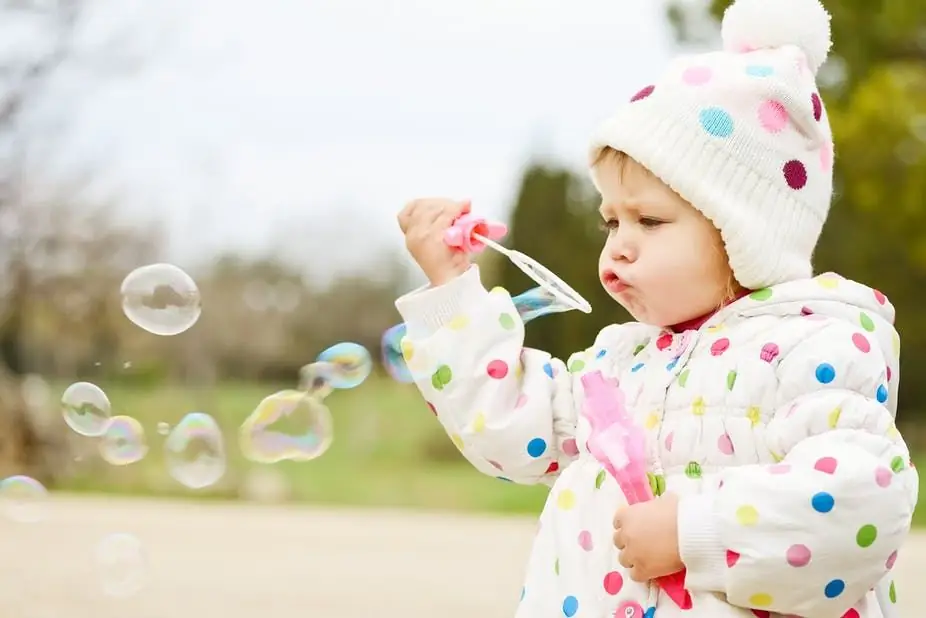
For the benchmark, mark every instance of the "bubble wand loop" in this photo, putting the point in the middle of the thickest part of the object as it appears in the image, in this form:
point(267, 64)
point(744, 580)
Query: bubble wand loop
point(472, 234)
point(618, 444)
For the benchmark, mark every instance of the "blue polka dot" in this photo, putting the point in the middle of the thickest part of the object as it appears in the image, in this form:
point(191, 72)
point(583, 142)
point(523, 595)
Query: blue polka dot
point(601, 353)
point(717, 122)
point(548, 369)
point(570, 606)
point(649, 613)
point(536, 447)
point(758, 70)
point(825, 373)
point(822, 502)
point(881, 394)
point(636, 367)
point(672, 365)
point(834, 588)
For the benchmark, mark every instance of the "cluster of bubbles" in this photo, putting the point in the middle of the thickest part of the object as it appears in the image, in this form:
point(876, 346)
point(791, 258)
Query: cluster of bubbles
point(289, 425)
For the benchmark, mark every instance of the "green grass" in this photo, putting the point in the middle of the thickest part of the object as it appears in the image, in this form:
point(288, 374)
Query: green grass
point(388, 450)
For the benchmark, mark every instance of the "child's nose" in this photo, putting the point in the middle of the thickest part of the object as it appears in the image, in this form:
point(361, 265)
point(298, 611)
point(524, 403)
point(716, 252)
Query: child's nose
point(622, 247)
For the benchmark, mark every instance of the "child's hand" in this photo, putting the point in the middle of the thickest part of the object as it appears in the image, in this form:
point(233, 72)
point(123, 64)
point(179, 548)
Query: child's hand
point(424, 223)
point(646, 534)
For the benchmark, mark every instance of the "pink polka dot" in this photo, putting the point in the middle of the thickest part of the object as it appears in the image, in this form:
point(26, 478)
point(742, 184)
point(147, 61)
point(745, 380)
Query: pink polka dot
point(613, 582)
point(795, 174)
point(779, 469)
point(553, 467)
point(585, 540)
point(880, 297)
point(852, 613)
point(861, 342)
point(522, 399)
point(669, 440)
point(826, 156)
point(642, 94)
point(826, 465)
point(725, 444)
point(696, 76)
point(891, 560)
point(720, 346)
point(495, 464)
point(798, 555)
point(817, 106)
point(773, 116)
point(663, 341)
point(769, 352)
point(431, 408)
point(883, 477)
point(497, 369)
point(732, 558)
point(888, 369)
point(570, 447)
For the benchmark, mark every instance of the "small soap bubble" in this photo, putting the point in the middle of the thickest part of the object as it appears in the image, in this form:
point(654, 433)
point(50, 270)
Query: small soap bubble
point(195, 451)
point(22, 499)
point(161, 298)
point(288, 425)
point(352, 363)
point(86, 409)
point(392, 356)
point(316, 378)
point(124, 441)
point(122, 565)
point(163, 428)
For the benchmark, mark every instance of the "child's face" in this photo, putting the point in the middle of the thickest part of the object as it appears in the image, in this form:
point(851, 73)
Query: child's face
point(663, 260)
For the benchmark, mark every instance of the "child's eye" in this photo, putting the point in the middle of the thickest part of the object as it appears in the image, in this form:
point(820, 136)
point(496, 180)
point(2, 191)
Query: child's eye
point(608, 225)
point(650, 223)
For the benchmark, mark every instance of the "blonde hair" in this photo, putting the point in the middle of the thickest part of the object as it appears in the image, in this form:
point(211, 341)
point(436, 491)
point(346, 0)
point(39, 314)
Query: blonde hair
point(731, 288)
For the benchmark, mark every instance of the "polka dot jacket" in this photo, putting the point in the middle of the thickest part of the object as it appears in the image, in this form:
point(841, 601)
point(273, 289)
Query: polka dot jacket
point(773, 422)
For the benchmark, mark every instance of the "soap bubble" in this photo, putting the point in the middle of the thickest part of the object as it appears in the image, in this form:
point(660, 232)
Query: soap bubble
point(22, 498)
point(393, 359)
point(288, 425)
point(122, 564)
point(195, 451)
point(352, 363)
point(163, 428)
point(124, 441)
point(161, 298)
point(86, 409)
point(316, 378)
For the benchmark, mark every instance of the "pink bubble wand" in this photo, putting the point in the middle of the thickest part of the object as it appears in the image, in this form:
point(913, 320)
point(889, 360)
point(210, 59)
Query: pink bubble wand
point(472, 234)
point(619, 445)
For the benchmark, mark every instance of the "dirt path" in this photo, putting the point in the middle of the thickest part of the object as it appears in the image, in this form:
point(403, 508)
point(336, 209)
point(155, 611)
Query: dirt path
point(240, 561)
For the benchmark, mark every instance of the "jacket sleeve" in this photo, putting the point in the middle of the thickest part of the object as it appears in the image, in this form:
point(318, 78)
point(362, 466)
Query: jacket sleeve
point(508, 409)
point(812, 534)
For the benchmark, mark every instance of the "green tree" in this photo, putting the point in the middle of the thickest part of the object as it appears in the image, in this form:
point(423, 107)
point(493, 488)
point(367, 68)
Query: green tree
point(555, 221)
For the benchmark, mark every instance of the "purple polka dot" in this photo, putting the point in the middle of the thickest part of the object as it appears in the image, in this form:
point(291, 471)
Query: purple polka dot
point(798, 555)
point(817, 106)
point(795, 174)
point(642, 94)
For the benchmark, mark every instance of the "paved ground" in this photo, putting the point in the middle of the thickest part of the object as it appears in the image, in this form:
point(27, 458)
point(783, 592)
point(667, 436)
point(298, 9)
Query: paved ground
point(239, 561)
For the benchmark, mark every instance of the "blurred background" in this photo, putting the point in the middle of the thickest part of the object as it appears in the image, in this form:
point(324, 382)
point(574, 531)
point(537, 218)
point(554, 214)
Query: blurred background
point(264, 148)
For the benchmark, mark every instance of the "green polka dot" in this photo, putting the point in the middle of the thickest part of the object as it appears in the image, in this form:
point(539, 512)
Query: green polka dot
point(897, 464)
point(441, 377)
point(657, 483)
point(683, 378)
point(638, 349)
point(760, 295)
point(506, 321)
point(693, 470)
point(556, 566)
point(731, 380)
point(866, 535)
point(866, 322)
point(576, 365)
point(600, 479)
point(892, 593)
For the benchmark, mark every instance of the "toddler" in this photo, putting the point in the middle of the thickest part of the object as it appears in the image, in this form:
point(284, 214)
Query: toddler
point(768, 396)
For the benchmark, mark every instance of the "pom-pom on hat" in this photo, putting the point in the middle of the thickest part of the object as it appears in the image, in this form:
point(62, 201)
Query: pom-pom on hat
point(743, 136)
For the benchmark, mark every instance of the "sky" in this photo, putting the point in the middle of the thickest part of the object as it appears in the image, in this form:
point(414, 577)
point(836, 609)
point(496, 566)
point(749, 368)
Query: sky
point(305, 125)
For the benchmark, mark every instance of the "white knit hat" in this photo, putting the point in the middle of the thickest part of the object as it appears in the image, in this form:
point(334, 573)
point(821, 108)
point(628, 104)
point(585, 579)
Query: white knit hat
point(742, 135)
